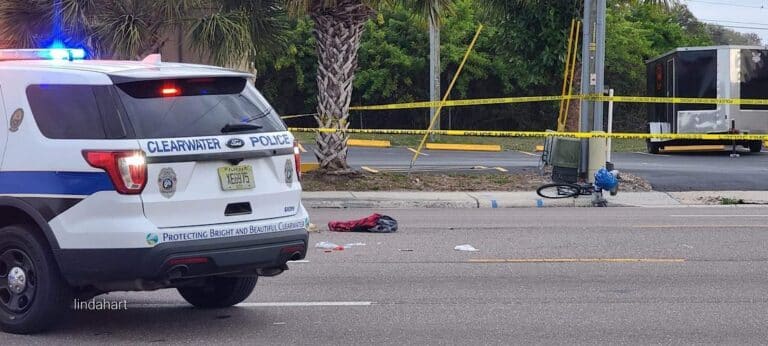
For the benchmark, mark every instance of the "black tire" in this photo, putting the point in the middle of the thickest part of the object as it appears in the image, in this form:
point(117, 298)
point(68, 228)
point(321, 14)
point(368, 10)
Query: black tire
point(755, 146)
point(42, 297)
point(557, 191)
point(219, 292)
point(653, 148)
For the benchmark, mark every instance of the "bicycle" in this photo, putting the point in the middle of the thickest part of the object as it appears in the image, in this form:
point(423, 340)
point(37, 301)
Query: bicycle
point(561, 190)
point(565, 174)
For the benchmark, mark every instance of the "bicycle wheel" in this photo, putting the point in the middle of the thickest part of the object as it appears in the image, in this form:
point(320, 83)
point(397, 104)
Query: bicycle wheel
point(558, 190)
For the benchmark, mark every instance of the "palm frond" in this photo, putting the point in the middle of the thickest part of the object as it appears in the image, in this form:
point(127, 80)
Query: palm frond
point(241, 31)
point(432, 10)
point(226, 36)
point(300, 8)
point(176, 10)
point(128, 28)
point(24, 23)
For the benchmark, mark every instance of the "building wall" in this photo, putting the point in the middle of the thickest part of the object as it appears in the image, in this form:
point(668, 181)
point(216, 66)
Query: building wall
point(177, 49)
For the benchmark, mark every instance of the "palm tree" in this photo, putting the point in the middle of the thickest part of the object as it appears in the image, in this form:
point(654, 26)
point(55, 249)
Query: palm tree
point(231, 30)
point(338, 28)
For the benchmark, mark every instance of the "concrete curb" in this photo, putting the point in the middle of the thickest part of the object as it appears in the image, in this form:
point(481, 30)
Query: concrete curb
point(369, 143)
point(496, 199)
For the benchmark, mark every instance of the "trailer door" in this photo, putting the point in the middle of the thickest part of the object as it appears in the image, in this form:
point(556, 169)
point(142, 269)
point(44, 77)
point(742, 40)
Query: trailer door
point(669, 87)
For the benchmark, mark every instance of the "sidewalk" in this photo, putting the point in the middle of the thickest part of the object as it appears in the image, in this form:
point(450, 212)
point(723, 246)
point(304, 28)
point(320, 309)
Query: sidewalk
point(402, 199)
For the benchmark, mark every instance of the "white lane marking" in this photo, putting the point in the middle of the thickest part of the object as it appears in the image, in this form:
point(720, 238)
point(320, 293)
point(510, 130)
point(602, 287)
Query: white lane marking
point(299, 261)
point(724, 216)
point(416, 152)
point(258, 305)
point(649, 154)
point(284, 304)
point(527, 153)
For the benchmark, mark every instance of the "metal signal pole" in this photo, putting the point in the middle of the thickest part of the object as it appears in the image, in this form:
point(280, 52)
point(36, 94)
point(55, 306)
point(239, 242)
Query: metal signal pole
point(592, 72)
point(434, 63)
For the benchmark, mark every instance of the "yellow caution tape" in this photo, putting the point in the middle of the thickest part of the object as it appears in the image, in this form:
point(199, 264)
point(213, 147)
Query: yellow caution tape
point(598, 98)
point(676, 100)
point(298, 116)
point(580, 135)
point(456, 103)
point(526, 99)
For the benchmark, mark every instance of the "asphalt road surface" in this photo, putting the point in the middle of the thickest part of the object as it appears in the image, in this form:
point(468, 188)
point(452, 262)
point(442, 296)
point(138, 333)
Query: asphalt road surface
point(541, 276)
point(715, 171)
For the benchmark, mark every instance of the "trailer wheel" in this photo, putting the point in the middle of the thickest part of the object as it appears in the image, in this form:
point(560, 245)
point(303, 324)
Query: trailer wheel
point(653, 148)
point(755, 146)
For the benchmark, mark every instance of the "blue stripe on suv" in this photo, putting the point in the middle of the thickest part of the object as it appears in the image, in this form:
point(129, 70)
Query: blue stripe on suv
point(54, 183)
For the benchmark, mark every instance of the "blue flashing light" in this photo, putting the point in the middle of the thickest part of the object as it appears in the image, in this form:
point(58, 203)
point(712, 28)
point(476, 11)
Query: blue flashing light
point(58, 54)
point(77, 54)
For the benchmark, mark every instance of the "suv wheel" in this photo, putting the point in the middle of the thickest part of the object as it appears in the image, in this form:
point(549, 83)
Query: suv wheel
point(219, 292)
point(32, 292)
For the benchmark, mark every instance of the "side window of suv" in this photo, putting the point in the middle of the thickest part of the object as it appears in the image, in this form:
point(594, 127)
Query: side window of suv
point(74, 112)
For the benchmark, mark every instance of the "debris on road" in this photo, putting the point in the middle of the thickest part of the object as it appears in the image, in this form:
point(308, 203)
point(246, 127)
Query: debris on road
point(325, 245)
point(465, 247)
point(375, 223)
point(312, 228)
point(329, 247)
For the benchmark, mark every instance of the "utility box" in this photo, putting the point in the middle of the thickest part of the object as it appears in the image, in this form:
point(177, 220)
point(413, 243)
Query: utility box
point(727, 72)
point(564, 157)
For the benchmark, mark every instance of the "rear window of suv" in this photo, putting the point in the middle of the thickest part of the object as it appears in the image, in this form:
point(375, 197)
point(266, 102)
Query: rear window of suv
point(195, 107)
point(75, 111)
point(190, 107)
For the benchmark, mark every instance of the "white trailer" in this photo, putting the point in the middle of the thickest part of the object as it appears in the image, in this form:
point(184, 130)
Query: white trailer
point(727, 72)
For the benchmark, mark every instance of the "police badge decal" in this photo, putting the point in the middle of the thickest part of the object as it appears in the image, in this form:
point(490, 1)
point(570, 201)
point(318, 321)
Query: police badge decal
point(289, 172)
point(166, 180)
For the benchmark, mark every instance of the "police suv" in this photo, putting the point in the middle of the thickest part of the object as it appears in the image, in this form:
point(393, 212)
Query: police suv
point(138, 175)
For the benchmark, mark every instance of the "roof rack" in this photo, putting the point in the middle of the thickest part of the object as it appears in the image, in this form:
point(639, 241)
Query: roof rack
point(65, 54)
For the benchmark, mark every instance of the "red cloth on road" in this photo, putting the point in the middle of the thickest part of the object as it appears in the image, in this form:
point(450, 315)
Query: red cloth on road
point(360, 225)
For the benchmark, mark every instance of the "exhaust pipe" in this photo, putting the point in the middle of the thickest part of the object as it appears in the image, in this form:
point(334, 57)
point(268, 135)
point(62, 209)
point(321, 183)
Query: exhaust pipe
point(177, 271)
point(269, 271)
point(274, 271)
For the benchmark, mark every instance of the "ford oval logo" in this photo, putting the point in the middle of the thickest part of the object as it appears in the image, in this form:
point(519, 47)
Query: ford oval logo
point(235, 143)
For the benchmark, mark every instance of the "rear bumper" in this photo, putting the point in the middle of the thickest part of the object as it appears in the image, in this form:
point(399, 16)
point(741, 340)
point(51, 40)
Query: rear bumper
point(223, 255)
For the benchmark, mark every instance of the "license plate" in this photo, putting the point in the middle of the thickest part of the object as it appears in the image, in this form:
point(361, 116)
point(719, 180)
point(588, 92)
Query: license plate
point(236, 178)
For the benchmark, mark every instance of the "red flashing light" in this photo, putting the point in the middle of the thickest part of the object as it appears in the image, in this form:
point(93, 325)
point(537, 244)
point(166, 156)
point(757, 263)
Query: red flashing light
point(170, 91)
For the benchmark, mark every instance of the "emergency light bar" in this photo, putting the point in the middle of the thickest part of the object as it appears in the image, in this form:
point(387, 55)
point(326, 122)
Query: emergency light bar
point(66, 54)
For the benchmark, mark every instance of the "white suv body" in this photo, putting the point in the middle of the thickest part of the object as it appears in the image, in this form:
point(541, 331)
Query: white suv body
point(140, 175)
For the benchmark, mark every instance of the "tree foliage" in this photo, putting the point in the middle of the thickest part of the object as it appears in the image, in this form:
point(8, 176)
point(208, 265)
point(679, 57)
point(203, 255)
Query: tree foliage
point(233, 30)
point(520, 53)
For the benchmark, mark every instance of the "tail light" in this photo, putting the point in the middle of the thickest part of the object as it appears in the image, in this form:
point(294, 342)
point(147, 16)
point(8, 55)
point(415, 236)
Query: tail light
point(126, 168)
point(297, 159)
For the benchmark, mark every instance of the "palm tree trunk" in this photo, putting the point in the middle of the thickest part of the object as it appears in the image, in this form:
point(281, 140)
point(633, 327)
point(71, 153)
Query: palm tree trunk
point(338, 30)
